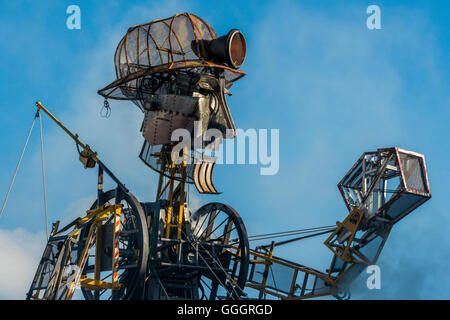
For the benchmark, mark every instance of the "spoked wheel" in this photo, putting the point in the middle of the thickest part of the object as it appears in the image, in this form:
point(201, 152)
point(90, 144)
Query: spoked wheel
point(220, 235)
point(133, 249)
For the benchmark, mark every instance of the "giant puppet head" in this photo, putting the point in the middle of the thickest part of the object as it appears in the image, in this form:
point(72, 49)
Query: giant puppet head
point(177, 71)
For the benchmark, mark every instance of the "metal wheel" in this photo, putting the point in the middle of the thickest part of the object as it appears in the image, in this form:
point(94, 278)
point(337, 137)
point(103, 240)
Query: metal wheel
point(133, 249)
point(220, 235)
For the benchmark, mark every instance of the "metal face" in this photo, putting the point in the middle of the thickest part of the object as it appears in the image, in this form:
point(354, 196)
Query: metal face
point(159, 126)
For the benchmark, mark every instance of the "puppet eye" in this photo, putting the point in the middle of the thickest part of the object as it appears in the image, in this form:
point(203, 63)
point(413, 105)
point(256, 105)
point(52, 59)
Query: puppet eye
point(230, 49)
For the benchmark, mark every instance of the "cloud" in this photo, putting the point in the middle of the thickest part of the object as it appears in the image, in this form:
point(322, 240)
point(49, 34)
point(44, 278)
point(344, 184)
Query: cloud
point(20, 253)
point(413, 262)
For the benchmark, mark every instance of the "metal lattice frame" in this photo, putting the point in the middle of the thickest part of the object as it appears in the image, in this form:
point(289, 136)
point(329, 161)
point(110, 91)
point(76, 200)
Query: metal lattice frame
point(387, 183)
point(380, 189)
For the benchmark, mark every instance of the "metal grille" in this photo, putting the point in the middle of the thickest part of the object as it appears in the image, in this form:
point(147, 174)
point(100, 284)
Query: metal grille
point(413, 172)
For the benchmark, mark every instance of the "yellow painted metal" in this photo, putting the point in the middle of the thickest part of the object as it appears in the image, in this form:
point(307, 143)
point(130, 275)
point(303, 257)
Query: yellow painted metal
point(256, 261)
point(98, 253)
point(94, 284)
point(268, 260)
point(181, 208)
point(284, 297)
point(350, 224)
point(102, 213)
point(268, 264)
point(89, 156)
point(98, 215)
point(345, 252)
point(294, 280)
point(290, 265)
point(81, 263)
point(170, 208)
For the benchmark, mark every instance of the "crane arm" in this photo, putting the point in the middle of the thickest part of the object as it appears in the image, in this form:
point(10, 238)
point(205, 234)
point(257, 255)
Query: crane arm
point(87, 156)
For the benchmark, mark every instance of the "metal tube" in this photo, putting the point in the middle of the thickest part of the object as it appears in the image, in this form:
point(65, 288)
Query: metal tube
point(73, 136)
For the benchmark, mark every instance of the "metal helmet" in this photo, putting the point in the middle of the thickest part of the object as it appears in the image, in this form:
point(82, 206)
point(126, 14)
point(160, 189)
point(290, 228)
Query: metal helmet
point(183, 42)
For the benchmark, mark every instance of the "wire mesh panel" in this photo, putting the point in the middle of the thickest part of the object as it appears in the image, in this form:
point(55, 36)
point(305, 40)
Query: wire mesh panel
point(413, 172)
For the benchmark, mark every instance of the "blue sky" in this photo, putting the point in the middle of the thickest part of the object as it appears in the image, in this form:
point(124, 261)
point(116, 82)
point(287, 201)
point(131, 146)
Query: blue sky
point(332, 87)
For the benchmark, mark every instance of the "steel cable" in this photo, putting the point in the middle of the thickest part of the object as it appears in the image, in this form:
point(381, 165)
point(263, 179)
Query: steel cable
point(292, 231)
point(18, 164)
point(308, 234)
point(289, 233)
point(43, 174)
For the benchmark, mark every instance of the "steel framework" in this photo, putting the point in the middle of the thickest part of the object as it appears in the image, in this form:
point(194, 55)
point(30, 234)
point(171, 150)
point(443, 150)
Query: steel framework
point(174, 70)
point(160, 250)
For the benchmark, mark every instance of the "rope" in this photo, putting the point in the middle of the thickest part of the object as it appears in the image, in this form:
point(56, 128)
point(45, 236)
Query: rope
point(301, 238)
point(17, 167)
point(309, 235)
point(292, 231)
point(43, 175)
